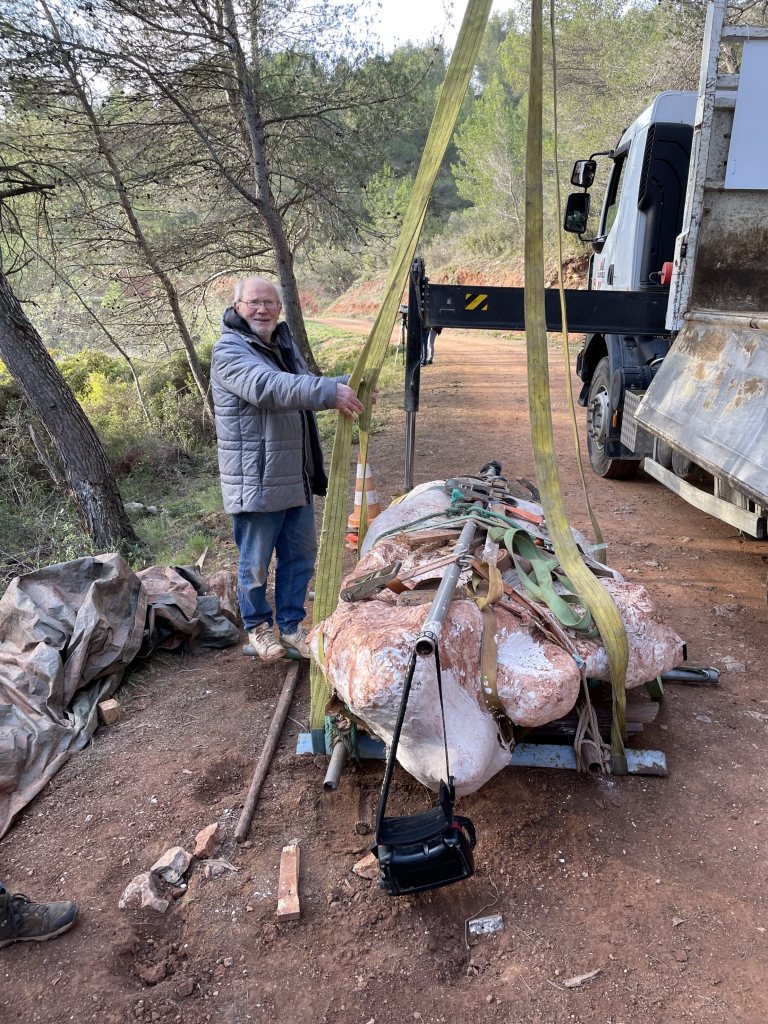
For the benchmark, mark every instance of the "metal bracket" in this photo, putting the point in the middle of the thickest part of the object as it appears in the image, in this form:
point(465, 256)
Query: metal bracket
point(525, 755)
point(371, 582)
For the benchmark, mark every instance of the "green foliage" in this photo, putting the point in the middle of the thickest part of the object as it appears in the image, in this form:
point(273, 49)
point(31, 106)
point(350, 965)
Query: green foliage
point(189, 516)
point(38, 524)
point(337, 353)
point(612, 57)
point(10, 396)
point(490, 171)
point(181, 419)
point(87, 367)
point(113, 409)
point(336, 350)
point(386, 199)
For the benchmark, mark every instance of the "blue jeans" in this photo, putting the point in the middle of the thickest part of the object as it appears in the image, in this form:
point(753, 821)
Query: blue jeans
point(428, 345)
point(291, 536)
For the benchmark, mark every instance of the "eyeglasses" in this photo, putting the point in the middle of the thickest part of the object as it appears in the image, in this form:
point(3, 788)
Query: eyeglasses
point(255, 303)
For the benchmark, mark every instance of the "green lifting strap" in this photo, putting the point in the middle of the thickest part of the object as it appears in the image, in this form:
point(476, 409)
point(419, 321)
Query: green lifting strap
point(365, 373)
point(539, 583)
point(594, 596)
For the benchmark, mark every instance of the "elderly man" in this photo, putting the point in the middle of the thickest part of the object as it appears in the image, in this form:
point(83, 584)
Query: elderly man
point(270, 460)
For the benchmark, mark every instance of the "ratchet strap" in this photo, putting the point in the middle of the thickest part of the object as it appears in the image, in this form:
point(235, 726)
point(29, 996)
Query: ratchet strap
point(592, 593)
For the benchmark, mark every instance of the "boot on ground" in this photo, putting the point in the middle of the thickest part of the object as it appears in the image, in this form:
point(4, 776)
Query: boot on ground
point(262, 639)
point(21, 920)
point(296, 641)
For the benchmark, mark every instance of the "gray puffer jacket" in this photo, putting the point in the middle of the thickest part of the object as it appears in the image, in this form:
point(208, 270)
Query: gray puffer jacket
point(269, 453)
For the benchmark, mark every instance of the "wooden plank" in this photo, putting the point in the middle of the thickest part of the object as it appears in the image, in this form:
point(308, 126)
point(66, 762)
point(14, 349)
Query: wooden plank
point(419, 538)
point(288, 907)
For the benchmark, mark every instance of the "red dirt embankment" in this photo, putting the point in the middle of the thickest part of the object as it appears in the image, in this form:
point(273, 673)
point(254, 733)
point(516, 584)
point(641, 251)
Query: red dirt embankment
point(364, 298)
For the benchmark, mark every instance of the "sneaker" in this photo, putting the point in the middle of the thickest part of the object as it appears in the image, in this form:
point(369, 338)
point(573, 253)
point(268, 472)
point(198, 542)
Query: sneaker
point(21, 920)
point(296, 641)
point(262, 640)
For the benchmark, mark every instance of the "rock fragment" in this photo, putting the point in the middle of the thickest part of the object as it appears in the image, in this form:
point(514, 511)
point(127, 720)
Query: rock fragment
point(367, 867)
point(205, 841)
point(172, 865)
point(142, 892)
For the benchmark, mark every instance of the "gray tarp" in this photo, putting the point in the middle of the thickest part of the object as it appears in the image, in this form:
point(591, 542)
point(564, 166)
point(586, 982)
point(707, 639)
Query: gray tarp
point(67, 634)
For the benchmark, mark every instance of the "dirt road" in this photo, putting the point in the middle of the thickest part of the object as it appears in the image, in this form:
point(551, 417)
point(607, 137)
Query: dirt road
point(658, 884)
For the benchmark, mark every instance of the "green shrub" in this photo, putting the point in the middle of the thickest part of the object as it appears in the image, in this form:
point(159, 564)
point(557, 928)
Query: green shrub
point(38, 523)
point(182, 419)
point(113, 408)
point(78, 370)
point(204, 353)
point(173, 370)
point(10, 394)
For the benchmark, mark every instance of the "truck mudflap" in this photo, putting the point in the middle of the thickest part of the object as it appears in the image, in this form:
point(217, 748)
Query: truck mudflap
point(710, 400)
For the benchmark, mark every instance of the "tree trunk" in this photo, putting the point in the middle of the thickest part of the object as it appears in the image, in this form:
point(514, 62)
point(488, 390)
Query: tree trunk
point(84, 461)
point(265, 201)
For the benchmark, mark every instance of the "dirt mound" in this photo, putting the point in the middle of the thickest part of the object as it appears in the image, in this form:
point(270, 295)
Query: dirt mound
point(362, 299)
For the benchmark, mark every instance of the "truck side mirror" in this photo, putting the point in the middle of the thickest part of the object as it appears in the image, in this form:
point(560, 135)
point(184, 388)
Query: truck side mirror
point(577, 212)
point(583, 173)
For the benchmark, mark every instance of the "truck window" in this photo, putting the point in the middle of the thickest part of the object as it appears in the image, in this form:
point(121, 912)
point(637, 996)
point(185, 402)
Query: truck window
point(613, 193)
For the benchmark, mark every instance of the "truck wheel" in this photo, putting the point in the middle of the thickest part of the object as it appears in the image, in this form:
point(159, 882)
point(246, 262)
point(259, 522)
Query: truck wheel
point(662, 453)
point(687, 470)
point(598, 425)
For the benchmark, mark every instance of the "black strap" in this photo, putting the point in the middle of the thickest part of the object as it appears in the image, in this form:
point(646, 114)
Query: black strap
point(381, 812)
point(442, 715)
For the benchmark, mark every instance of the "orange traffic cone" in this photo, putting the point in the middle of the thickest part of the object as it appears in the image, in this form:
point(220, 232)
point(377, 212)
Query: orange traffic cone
point(363, 481)
point(350, 541)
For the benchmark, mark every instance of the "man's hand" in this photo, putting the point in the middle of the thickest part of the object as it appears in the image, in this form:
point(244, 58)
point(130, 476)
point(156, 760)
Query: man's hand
point(347, 401)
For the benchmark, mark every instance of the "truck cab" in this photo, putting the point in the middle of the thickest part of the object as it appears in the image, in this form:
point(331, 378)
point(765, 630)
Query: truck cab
point(687, 400)
point(640, 218)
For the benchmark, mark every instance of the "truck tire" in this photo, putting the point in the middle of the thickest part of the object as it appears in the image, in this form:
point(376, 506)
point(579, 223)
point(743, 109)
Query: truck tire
point(687, 470)
point(598, 422)
point(662, 453)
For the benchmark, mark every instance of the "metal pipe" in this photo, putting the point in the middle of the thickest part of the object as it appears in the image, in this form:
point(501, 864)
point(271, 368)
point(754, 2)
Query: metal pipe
point(693, 676)
point(410, 448)
point(335, 766)
point(758, 323)
point(590, 757)
point(430, 631)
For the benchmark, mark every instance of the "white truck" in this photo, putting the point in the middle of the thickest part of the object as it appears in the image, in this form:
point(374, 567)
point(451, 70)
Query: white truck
point(685, 213)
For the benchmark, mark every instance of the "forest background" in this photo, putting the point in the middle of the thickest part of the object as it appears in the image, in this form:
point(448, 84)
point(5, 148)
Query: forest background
point(153, 152)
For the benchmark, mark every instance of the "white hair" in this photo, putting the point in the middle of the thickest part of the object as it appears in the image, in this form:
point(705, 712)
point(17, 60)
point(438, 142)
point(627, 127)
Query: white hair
point(255, 277)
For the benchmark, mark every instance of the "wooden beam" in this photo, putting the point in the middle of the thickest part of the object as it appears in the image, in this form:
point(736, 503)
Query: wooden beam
point(270, 745)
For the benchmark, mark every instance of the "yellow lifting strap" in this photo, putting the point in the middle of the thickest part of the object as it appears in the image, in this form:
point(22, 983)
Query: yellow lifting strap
point(365, 373)
point(599, 551)
point(595, 597)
